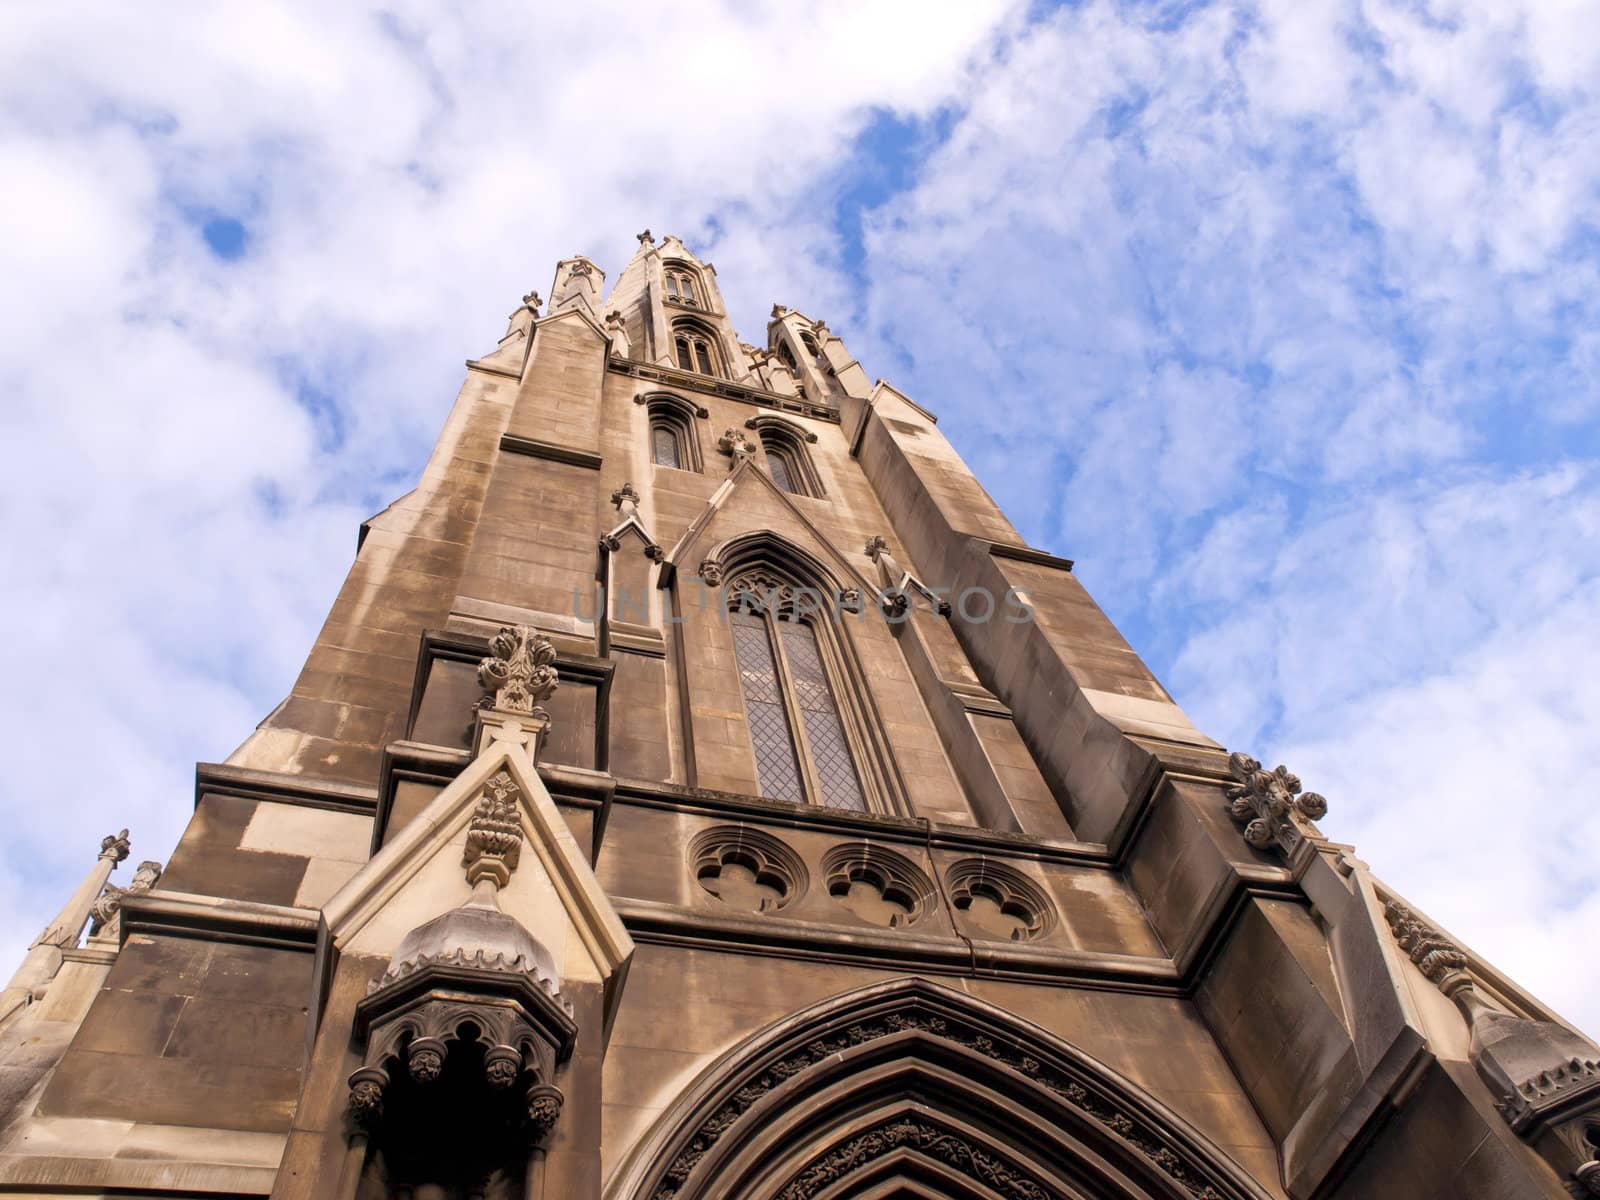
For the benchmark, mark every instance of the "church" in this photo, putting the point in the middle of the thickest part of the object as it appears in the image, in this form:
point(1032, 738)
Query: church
point(699, 791)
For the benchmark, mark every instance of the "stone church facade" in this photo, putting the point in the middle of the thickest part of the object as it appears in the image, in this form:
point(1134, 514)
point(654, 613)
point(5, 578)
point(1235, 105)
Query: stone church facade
point(699, 791)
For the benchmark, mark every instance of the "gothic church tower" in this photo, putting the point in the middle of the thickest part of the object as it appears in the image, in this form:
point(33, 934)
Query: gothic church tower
point(699, 791)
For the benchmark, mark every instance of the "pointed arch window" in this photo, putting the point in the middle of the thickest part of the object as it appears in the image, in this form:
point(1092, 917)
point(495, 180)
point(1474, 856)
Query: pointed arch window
point(797, 728)
point(788, 463)
point(695, 348)
point(683, 285)
point(672, 433)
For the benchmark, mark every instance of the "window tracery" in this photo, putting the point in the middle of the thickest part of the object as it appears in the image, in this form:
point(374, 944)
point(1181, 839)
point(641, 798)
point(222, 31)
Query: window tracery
point(803, 753)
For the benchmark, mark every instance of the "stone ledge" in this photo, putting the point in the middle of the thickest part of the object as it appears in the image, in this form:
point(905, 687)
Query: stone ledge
point(243, 921)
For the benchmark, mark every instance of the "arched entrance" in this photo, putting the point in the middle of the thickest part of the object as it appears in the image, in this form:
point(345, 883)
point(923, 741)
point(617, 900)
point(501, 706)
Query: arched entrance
point(910, 1089)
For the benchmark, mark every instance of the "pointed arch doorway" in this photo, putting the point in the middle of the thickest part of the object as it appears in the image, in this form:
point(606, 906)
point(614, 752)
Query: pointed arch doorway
point(909, 1089)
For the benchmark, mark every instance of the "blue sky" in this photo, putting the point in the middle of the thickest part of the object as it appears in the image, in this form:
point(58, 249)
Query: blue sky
point(1282, 319)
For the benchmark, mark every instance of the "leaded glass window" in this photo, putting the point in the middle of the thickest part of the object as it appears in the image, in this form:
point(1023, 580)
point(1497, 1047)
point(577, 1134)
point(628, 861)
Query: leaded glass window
point(776, 770)
point(819, 713)
point(779, 466)
point(693, 347)
point(664, 446)
point(796, 729)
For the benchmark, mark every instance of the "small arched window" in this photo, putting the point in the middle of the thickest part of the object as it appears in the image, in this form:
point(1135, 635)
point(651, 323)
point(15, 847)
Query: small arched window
point(787, 355)
point(695, 348)
point(682, 284)
point(672, 434)
point(788, 463)
point(791, 704)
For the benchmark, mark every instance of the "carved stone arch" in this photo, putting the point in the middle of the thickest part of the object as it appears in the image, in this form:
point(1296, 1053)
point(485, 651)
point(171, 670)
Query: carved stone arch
point(913, 1083)
point(673, 401)
point(767, 548)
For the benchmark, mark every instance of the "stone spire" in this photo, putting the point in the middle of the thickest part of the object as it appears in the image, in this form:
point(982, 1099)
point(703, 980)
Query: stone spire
point(44, 955)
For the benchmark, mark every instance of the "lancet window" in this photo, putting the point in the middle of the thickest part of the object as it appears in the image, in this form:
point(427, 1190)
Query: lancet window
point(790, 682)
point(788, 463)
point(695, 348)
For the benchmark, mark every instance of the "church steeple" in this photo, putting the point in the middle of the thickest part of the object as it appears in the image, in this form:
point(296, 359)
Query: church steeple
point(699, 789)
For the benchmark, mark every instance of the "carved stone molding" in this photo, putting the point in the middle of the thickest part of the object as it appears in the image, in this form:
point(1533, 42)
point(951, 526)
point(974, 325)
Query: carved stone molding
point(1270, 806)
point(765, 422)
point(521, 671)
point(1435, 955)
point(1083, 1092)
point(876, 545)
point(924, 1136)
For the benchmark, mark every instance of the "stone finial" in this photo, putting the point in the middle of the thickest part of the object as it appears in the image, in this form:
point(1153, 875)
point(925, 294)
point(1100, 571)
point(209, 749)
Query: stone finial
point(1543, 1076)
point(614, 319)
point(779, 310)
point(532, 301)
point(579, 267)
point(115, 846)
point(735, 445)
point(626, 498)
point(820, 328)
point(876, 545)
point(645, 239)
point(494, 836)
point(109, 904)
point(1267, 802)
point(520, 671)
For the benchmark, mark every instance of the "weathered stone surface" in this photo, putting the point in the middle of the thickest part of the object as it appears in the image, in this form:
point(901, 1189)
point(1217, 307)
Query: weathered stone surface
point(995, 843)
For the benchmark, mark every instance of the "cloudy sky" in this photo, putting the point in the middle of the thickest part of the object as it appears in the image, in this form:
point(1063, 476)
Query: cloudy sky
point(1282, 318)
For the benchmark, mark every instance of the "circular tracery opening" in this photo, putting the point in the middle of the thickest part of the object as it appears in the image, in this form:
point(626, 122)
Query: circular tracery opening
point(877, 885)
point(997, 901)
point(746, 869)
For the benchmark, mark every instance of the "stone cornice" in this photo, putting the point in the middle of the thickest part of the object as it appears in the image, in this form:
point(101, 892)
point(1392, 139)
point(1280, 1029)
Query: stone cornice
point(307, 791)
point(216, 919)
point(726, 388)
point(549, 451)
